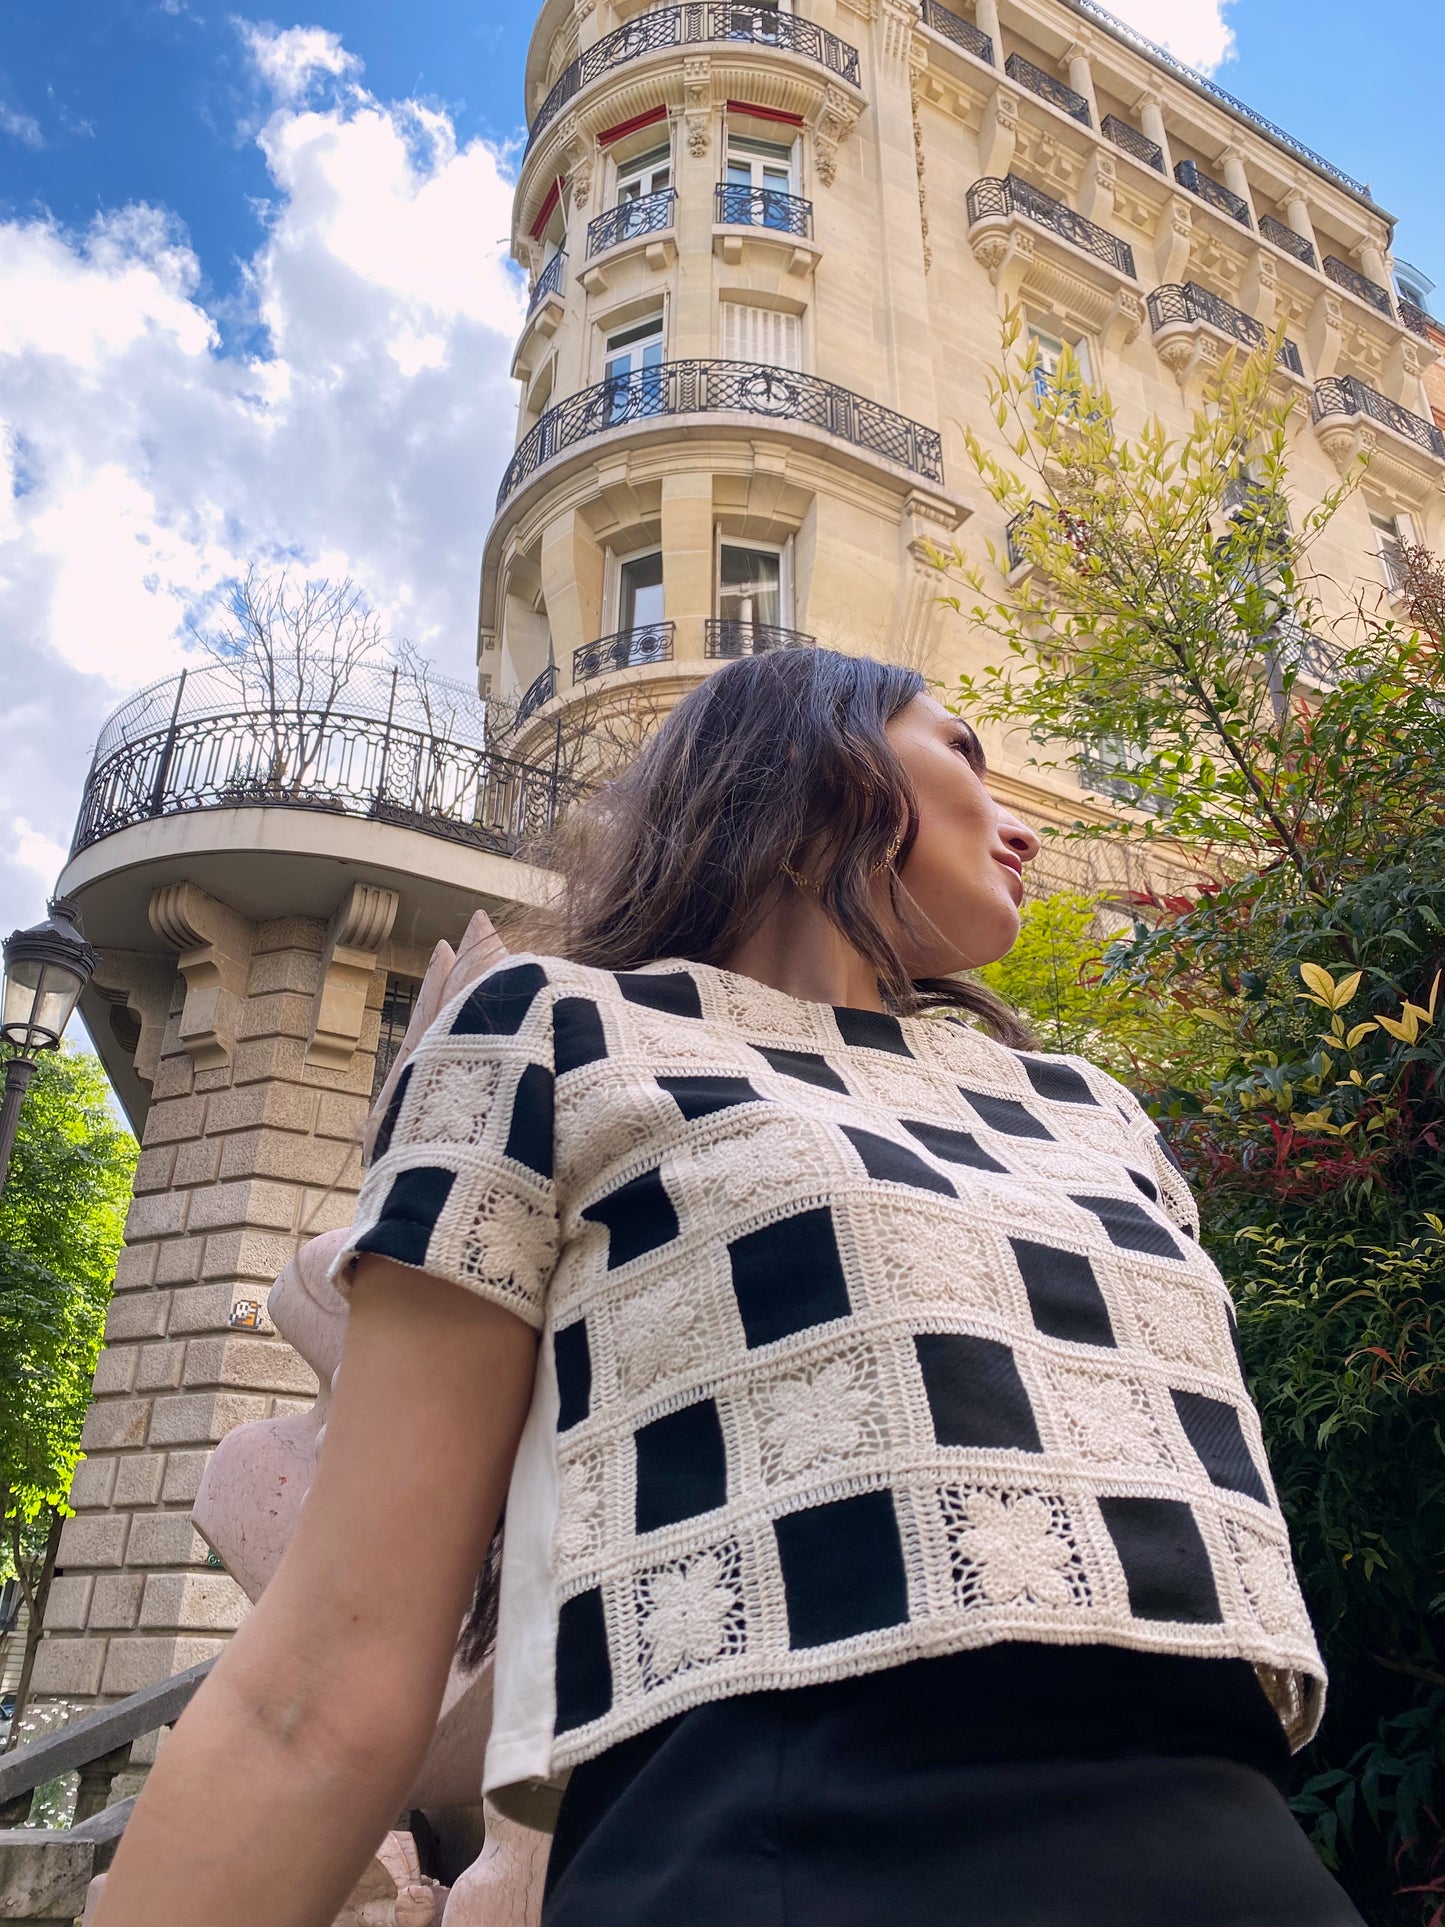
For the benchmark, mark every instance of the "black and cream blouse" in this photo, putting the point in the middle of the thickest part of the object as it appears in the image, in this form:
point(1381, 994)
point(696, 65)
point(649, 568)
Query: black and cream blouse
point(862, 1339)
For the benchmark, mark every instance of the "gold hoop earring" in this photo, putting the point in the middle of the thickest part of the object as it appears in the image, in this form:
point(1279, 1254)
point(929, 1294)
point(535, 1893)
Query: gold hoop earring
point(886, 861)
point(799, 883)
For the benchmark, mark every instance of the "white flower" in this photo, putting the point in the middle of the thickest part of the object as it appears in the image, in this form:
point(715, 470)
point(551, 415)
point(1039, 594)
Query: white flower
point(1176, 1323)
point(655, 1334)
point(688, 1615)
point(504, 1239)
point(1108, 1425)
point(579, 1511)
point(455, 1102)
point(1015, 1551)
point(815, 1415)
point(1268, 1581)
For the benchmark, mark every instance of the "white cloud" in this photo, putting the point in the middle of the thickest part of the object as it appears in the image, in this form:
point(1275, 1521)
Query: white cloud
point(144, 461)
point(21, 127)
point(1194, 31)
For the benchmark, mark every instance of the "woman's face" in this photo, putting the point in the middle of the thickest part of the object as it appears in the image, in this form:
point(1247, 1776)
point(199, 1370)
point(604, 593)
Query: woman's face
point(964, 873)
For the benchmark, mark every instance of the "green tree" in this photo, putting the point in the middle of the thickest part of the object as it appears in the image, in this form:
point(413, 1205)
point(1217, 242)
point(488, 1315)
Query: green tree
point(61, 1219)
point(1157, 630)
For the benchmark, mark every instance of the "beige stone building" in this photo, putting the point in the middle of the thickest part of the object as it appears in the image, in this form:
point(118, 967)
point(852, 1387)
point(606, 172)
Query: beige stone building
point(769, 248)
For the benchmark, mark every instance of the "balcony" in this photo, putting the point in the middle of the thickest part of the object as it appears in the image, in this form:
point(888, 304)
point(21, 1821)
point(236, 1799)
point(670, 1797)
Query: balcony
point(626, 649)
point(739, 206)
point(1026, 74)
point(730, 637)
point(1414, 318)
point(1186, 304)
point(990, 199)
point(1058, 525)
point(551, 280)
point(1132, 142)
point(1215, 192)
point(963, 33)
point(1286, 238)
point(780, 395)
point(1347, 395)
point(632, 220)
point(1360, 285)
point(702, 23)
point(538, 692)
point(387, 749)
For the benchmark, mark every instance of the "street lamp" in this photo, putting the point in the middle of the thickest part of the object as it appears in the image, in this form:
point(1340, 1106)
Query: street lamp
point(46, 968)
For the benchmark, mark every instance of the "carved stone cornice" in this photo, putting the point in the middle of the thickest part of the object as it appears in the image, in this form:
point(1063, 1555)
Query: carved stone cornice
point(359, 927)
point(214, 958)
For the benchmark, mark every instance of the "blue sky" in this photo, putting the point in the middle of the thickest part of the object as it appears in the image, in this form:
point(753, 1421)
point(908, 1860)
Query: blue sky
point(255, 302)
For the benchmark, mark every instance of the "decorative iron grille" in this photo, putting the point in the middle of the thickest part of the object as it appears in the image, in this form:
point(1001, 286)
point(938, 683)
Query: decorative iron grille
point(989, 199)
point(1048, 88)
point(649, 214)
point(963, 33)
point(1215, 192)
point(540, 690)
point(739, 206)
point(726, 387)
point(1286, 238)
point(627, 649)
point(397, 1006)
point(1344, 276)
point(1348, 395)
point(1132, 141)
point(1068, 530)
point(694, 25)
point(728, 636)
point(1414, 317)
point(1180, 301)
point(550, 280)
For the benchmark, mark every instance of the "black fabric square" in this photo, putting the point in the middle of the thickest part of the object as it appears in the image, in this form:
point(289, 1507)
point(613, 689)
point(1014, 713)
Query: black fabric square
point(788, 1277)
point(498, 1007)
point(573, 1357)
point(955, 1147)
point(1141, 1183)
point(529, 1135)
point(381, 1144)
point(409, 1216)
point(806, 1064)
point(1061, 1082)
point(584, 1672)
point(639, 1216)
point(890, 1163)
point(1064, 1295)
point(577, 1033)
point(1165, 1560)
point(1212, 1427)
point(1168, 1149)
point(1007, 1114)
point(842, 1569)
point(975, 1393)
point(675, 992)
point(870, 1029)
point(1130, 1226)
point(700, 1096)
point(682, 1466)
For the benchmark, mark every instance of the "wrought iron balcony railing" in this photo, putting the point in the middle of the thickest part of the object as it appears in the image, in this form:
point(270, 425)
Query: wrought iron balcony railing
point(1215, 192)
point(626, 649)
point(698, 24)
point(739, 206)
point(649, 214)
point(963, 33)
point(1048, 88)
point(1414, 317)
point(1344, 276)
point(550, 280)
point(988, 199)
point(197, 742)
point(1132, 141)
point(1286, 238)
point(1348, 395)
point(1065, 528)
point(1185, 301)
point(725, 387)
point(731, 637)
point(539, 691)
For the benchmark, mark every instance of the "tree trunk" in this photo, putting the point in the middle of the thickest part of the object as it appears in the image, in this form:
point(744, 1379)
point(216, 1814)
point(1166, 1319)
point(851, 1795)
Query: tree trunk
point(38, 1594)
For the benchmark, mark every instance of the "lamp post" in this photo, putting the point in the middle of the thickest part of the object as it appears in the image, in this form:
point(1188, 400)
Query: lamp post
point(46, 968)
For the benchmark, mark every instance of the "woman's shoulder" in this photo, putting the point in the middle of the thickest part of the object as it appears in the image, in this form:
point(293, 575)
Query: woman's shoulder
point(1063, 1076)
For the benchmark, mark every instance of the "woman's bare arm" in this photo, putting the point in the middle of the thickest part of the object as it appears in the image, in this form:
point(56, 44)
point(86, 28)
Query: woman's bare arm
point(282, 1776)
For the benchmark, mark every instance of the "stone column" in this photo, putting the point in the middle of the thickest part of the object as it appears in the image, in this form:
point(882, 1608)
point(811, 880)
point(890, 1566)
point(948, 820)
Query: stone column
point(1150, 110)
point(1297, 213)
point(687, 549)
point(1081, 76)
point(1371, 257)
point(1236, 179)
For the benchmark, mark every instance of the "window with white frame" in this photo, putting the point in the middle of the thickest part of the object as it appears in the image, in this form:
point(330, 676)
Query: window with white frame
point(754, 585)
point(632, 368)
point(760, 181)
point(762, 335)
point(1392, 534)
point(644, 174)
point(1049, 356)
point(637, 590)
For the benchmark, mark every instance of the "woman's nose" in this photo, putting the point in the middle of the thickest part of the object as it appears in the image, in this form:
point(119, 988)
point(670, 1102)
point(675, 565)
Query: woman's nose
point(1019, 837)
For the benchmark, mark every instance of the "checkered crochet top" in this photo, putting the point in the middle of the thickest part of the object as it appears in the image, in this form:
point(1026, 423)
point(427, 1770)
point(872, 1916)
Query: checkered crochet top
point(862, 1339)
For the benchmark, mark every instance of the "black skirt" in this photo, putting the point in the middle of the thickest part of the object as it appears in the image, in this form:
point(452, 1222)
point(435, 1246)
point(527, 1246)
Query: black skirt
point(1021, 1786)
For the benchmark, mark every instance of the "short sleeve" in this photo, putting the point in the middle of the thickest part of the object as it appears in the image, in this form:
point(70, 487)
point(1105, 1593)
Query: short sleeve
point(460, 1183)
point(1161, 1165)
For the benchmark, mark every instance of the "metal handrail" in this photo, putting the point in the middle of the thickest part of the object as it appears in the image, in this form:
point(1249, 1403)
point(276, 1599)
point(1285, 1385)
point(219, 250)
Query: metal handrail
point(724, 387)
point(1344, 276)
point(1186, 301)
point(1414, 317)
point(735, 205)
point(963, 33)
point(624, 649)
point(549, 281)
point(648, 214)
point(1286, 238)
point(1048, 88)
point(990, 198)
point(1348, 395)
point(731, 637)
point(1215, 192)
point(697, 24)
point(540, 690)
point(1132, 141)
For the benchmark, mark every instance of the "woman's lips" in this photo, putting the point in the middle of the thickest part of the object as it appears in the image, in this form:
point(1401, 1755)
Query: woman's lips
point(1014, 865)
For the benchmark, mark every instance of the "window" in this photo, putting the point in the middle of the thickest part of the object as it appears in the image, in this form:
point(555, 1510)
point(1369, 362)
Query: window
point(755, 23)
point(397, 1005)
point(1393, 534)
point(1048, 358)
point(754, 584)
point(648, 173)
point(757, 173)
point(639, 591)
point(762, 335)
point(632, 370)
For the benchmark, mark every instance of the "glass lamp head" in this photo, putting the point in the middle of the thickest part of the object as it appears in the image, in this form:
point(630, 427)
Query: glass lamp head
point(46, 968)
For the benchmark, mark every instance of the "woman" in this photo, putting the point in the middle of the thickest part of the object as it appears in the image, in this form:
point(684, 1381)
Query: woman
point(888, 1532)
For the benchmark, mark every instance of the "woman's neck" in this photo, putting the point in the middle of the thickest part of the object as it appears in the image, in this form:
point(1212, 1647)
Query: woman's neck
point(798, 951)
